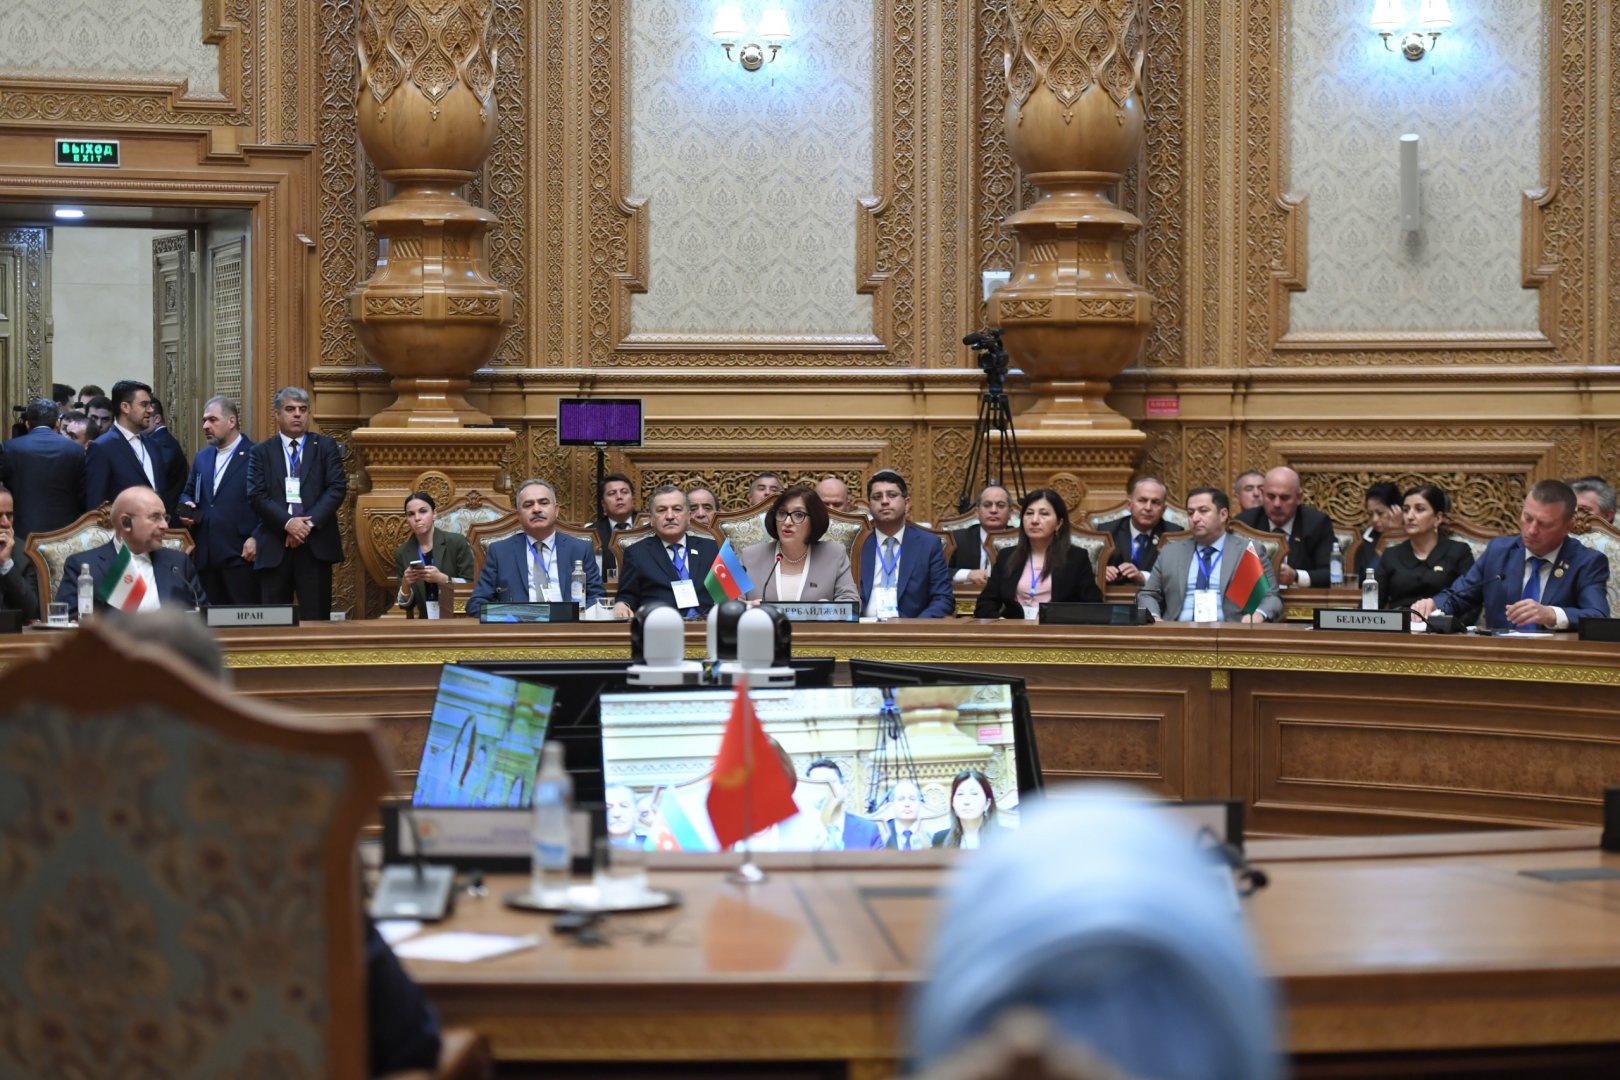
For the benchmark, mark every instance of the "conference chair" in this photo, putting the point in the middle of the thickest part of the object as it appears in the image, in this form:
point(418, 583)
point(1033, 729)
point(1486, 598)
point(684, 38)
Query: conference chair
point(1475, 537)
point(1098, 546)
point(744, 527)
point(181, 887)
point(1602, 537)
point(485, 533)
point(1101, 519)
point(50, 551)
point(956, 522)
point(460, 514)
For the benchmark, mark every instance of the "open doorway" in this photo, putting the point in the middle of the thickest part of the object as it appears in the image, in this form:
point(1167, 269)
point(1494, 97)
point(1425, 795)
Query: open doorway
point(157, 294)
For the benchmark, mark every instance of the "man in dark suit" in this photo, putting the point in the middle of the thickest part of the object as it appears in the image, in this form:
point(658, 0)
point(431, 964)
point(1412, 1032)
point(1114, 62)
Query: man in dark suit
point(903, 573)
point(156, 577)
point(173, 480)
point(845, 831)
point(617, 497)
point(669, 560)
point(1309, 532)
point(124, 457)
point(1136, 535)
point(45, 471)
point(19, 588)
point(1543, 578)
point(906, 832)
point(296, 483)
point(537, 564)
point(970, 565)
point(215, 507)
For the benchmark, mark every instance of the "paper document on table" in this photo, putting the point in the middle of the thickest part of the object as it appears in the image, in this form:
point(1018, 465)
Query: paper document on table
point(395, 931)
point(454, 947)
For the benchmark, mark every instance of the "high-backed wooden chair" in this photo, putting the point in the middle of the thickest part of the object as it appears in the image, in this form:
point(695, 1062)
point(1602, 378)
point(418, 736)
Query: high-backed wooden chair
point(460, 514)
point(1475, 537)
point(849, 529)
point(628, 538)
point(485, 533)
point(1602, 537)
point(180, 894)
point(1175, 515)
point(50, 551)
point(744, 527)
point(1098, 546)
point(957, 522)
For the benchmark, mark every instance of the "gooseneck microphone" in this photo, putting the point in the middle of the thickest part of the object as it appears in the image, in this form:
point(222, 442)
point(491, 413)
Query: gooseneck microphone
point(196, 601)
point(770, 575)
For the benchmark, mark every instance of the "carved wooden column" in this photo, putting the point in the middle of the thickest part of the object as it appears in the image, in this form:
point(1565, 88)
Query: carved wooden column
point(431, 315)
point(1070, 316)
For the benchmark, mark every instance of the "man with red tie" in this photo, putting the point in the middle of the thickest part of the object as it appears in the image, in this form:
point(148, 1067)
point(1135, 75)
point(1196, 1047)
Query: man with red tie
point(296, 484)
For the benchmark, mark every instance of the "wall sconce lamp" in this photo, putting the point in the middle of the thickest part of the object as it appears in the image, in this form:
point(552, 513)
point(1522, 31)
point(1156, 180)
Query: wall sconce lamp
point(1434, 16)
point(728, 31)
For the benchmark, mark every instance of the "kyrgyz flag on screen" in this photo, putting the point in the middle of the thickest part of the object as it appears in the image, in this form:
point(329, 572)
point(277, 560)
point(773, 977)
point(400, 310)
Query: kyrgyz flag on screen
point(1248, 585)
point(121, 586)
point(727, 580)
point(749, 790)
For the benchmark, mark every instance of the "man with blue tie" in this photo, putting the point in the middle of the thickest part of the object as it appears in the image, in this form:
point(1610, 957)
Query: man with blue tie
point(215, 507)
point(1136, 535)
point(1189, 580)
point(538, 563)
point(670, 565)
point(296, 484)
point(123, 457)
point(1541, 579)
point(906, 832)
point(903, 571)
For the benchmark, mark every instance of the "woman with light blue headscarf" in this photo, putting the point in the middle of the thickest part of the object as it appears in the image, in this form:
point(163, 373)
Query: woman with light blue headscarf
point(1101, 915)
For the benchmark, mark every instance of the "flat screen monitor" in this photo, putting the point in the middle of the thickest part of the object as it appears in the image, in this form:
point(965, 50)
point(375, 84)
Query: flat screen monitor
point(483, 742)
point(599, 422)
point(908, 767)
point(883, 673)
point(575, 714)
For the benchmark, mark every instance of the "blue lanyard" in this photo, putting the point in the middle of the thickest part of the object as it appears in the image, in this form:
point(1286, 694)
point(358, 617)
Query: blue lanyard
point(426, 553)
point(1035, 578)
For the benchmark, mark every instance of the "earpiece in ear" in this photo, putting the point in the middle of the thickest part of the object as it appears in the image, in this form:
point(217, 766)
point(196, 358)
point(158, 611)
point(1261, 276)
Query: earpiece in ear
point(129, 522)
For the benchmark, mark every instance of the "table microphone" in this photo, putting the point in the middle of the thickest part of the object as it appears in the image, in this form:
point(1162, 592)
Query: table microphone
point(770, 575)
point(418, 891)
point(196, 602)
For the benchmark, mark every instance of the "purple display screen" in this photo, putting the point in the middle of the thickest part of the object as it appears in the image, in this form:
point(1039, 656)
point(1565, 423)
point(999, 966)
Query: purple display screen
point(588, 421)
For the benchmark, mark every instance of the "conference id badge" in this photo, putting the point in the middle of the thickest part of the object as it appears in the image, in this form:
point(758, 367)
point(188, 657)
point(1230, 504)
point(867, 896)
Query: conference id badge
point(295, 490)
point(552, 593)
point(1206, 606)
point(432, 609)
point(1032, 612)
point(685, 594)
point(886, 603)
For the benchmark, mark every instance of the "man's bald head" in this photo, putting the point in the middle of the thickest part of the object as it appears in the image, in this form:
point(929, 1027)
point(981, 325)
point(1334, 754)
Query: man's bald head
point(1281, 494)
point(834, 494)
point(139, 519)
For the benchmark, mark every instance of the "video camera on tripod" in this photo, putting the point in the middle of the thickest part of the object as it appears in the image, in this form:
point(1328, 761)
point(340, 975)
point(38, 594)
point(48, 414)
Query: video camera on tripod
point(993, 359)
point(995, 414)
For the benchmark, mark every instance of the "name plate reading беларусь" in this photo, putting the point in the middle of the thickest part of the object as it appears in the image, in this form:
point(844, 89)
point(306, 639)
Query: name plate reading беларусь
point(816, 611)
point(1384, 622)
point(261, 615)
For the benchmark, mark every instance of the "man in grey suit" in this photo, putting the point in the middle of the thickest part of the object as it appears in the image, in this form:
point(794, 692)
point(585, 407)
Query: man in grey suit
point(1205, 562)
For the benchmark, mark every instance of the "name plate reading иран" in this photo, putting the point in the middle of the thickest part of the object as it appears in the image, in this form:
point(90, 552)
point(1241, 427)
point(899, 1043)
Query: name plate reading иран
point(256, 615)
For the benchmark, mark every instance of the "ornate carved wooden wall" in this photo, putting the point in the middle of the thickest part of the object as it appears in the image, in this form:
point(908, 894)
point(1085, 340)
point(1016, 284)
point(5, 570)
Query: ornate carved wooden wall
point(1222, 244)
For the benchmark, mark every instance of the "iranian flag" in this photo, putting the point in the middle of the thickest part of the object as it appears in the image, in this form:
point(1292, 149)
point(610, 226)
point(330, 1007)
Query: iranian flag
point(1248, 585)
point(121, 586)
point(727, 580)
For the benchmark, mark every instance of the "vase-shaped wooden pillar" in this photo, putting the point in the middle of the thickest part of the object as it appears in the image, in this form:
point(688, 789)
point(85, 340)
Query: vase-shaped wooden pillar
point(431, 315)
point(1070, 316)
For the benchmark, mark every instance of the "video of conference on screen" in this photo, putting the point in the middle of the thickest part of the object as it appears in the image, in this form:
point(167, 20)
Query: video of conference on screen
point(906, 767)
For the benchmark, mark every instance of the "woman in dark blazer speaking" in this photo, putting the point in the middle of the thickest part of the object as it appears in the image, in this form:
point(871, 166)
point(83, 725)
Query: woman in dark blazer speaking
point(1043, 567)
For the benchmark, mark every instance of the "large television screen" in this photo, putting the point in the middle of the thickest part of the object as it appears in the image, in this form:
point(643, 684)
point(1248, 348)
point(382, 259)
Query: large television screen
point(483, 743)
point(908, 768)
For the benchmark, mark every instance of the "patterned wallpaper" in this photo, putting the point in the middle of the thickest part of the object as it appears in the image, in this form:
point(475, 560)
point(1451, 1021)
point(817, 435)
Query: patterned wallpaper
point(1475, 103)
point(752, 177)
point(108, 38)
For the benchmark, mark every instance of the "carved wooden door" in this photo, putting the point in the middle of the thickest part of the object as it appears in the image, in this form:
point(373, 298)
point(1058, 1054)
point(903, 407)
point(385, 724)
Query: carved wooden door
point(25, 303)
point(176, 364)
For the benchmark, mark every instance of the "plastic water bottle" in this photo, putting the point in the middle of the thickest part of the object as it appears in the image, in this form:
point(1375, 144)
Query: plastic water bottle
point(1336, 567)
point(576, 584)
point(550, 853)
point(1369, 592)
point(87, 593)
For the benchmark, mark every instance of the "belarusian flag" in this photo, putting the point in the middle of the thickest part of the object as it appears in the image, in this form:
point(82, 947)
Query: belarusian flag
point(1248, 585)
point(121, 586)
point(727, 580)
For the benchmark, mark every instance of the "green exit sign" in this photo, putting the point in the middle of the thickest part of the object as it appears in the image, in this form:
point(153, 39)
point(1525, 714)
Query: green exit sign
point(98, 152)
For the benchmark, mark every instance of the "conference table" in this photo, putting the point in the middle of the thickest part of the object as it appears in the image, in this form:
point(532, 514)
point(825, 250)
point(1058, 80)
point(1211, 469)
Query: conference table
point(1316, 732)
point(1391, 954)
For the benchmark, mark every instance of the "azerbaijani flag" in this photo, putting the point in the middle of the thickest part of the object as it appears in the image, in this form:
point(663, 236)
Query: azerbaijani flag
point(681, 824)
point(749, 789)
point(1248, 585)
point(121, 587)
point(727, 580)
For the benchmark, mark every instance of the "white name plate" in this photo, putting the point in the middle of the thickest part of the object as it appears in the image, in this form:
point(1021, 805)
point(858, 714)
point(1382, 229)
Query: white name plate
point(816, 611)
point(261, 615)
point(1387, 622)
